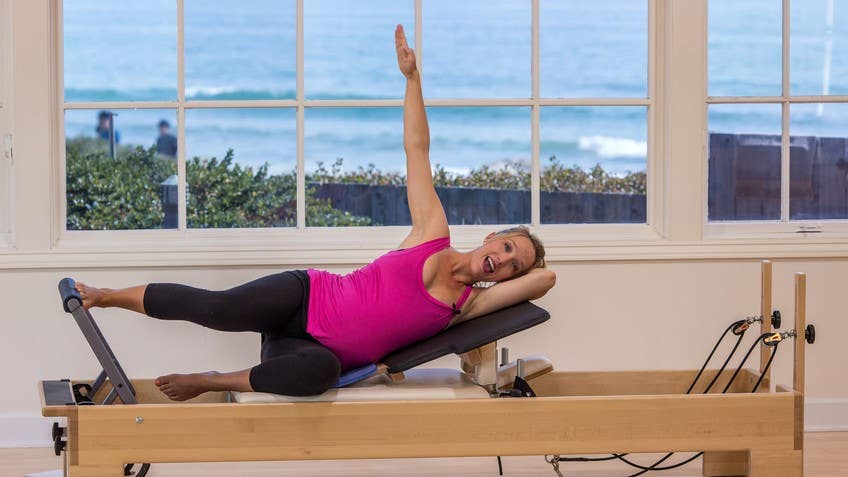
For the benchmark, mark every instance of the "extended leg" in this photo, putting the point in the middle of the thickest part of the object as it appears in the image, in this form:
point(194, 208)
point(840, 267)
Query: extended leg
point(271, 303)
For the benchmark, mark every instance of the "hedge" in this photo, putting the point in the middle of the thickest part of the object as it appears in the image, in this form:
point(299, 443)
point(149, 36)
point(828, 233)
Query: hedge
point(125, 193)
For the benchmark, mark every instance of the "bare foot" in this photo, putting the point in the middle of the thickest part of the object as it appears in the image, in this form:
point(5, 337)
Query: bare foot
point(91, 296)
point(180, 387)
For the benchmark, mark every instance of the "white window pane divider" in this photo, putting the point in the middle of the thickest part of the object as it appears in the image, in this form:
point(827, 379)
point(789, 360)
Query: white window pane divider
point(300, 119)
point(784, 125)
point(775, 99)
point(655, 172)
point(535, 121)
point(358, 103)
point(182, 220)
point(58, 61)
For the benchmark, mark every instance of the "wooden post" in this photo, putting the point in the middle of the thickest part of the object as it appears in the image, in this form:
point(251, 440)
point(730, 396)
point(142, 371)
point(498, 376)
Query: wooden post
point(789, 463)
point(737, 463)
point(798, 378)
point(765, 312)
point(776, 463)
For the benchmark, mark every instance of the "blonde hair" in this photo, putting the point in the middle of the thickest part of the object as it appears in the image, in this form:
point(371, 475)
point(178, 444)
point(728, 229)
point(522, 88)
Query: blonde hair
point(538, 248)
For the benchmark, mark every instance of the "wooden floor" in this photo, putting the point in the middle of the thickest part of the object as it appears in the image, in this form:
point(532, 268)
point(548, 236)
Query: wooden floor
point(826, 456)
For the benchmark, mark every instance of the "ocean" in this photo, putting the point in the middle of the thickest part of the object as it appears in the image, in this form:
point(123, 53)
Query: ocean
point(126, 51)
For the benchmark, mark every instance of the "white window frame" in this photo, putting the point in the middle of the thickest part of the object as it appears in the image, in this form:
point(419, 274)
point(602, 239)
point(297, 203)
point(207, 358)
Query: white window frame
point(818, 229)
point(356, 243)
point(676, 228)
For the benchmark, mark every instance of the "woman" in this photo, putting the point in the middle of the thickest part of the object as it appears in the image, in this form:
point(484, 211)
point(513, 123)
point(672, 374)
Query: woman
point(317, 324)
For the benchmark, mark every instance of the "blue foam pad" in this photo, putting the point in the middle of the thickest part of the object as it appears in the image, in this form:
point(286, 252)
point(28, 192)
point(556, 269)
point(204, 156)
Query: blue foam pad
point(356, 375)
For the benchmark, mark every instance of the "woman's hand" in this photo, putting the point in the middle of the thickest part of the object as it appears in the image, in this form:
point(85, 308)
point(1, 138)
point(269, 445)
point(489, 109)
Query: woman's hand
point(405, 55)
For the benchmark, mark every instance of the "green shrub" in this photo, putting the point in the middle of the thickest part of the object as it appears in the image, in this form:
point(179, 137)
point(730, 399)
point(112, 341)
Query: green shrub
point(222, 194)
point(513, 175)
point(125, 193)
point(558, 178)
point(109, 194)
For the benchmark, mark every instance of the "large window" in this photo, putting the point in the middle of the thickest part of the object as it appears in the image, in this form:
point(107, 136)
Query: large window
point(778, 113)
point(182, 114)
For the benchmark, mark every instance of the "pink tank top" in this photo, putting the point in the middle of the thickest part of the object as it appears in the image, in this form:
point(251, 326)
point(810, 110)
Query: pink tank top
point(365, 315)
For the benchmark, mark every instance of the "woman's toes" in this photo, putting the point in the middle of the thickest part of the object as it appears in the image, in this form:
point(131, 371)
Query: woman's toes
point(180, 387)
point(90, 295)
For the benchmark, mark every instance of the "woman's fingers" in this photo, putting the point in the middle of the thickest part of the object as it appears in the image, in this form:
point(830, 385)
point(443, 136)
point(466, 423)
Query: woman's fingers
point(400, 37)
point(406, 57)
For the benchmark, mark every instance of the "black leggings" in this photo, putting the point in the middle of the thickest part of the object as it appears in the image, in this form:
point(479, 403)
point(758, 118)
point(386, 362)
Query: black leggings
point(292, 361)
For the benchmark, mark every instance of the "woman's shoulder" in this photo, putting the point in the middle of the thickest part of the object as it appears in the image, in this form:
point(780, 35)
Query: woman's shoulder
point(417, 242)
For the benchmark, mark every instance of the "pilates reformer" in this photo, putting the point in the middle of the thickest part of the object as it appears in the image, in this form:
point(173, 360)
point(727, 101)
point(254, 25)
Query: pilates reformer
point(394, 411)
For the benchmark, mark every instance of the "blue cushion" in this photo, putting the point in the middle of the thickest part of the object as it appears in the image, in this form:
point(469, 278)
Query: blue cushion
point(356, 375)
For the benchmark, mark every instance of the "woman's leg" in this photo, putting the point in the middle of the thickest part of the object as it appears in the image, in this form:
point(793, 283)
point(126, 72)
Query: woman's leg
point(262, 305)
point(290, 366)
point(295, 367)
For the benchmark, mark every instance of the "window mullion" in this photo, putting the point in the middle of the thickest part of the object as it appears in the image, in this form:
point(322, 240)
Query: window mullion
point(59, 93)
point(784, 163)
point(300, 120)
point(784, 136)
point(535, 139)
point(684, 120)
point(181, 129)
point(656, 158)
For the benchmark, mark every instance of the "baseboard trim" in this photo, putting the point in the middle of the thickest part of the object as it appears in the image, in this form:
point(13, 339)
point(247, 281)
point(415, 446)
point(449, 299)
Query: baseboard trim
point(16, 430)
point(825, 415)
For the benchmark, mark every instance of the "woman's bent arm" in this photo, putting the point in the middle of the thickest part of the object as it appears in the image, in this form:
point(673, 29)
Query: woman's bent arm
point(530, 286)
point(428, 216)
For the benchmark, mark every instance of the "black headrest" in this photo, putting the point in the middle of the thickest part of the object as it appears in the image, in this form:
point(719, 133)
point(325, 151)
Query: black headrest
point(468, 335)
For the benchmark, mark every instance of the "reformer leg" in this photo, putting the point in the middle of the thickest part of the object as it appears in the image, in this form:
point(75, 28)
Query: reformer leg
point(776, 463)
point(722, 464)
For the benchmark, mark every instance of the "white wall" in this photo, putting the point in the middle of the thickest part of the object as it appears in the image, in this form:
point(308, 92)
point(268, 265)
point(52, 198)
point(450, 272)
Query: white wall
point(638, 314)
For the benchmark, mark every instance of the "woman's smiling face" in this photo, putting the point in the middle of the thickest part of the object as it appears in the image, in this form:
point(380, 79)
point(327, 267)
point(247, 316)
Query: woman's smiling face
point(502, 258)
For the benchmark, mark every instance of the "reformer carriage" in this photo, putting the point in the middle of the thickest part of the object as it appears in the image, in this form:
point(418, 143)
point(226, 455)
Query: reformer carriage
point(401, 412)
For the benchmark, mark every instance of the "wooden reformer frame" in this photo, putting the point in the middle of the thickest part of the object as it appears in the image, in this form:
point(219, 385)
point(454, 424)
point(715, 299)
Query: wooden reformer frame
point(741, 433)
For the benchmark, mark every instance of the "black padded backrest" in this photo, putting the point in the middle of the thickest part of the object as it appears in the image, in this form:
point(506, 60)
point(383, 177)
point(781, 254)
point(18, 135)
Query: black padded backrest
point(468, 335)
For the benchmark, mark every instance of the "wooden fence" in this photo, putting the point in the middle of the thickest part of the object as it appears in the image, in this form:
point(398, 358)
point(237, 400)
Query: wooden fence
point(745, 173)
point(744, 184)
point(387, 205)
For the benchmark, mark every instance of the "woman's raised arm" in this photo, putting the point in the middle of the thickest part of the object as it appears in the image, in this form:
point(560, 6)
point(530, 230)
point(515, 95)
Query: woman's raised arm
point(428, 216)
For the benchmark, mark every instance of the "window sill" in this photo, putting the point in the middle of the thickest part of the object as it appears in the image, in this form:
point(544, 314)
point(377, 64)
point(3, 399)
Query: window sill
point(801, 231)
point(322, 248)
